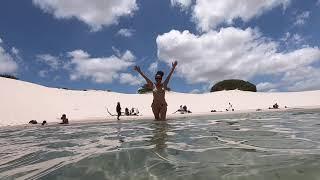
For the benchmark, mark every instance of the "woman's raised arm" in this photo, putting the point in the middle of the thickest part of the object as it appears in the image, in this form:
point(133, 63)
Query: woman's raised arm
point(174, 65)
point(149, 82)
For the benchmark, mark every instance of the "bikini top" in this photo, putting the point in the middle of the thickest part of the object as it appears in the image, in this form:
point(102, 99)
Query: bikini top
point(159, 94)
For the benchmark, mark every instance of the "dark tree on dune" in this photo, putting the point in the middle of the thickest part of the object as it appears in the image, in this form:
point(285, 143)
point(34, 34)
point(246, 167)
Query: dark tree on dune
point(144, 89)
point(233, 84)
point(8, 76)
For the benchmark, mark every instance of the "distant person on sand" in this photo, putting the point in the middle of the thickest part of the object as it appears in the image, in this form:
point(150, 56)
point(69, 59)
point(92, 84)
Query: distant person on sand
point(185, 109)
point(275, 106)
point(159, 104)
point(230, 107)
point(132, 111)
point(33, 122)
point(118, 109)
point(64, 119)
point(126, 112)
point(179, 110)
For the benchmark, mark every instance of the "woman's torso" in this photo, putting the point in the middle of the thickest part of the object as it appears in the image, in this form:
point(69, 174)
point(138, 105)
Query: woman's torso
point(159, 94)
point(118, 108)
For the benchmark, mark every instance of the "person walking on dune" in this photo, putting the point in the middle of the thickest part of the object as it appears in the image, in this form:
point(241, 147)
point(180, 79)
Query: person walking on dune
point(159, 104)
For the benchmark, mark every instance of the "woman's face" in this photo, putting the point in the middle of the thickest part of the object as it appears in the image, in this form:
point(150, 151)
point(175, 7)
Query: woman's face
point(158, 78)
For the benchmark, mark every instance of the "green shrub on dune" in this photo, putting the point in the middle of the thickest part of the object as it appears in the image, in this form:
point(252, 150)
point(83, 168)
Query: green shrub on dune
point(144, 89)
point(233, 84)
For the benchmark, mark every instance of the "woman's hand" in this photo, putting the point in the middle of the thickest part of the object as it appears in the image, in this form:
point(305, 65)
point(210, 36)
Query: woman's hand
point(174, 64)
point(137, 68)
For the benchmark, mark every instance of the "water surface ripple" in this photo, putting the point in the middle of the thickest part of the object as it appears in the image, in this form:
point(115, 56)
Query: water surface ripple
point(274, 145)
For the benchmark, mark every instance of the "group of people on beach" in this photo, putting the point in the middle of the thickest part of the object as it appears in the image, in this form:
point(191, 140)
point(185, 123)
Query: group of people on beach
point(64, 119)
point(275, 106)
point(183, 109)
point(36, 122)
point(159, 104)
point(127, 112)
point(229, 108)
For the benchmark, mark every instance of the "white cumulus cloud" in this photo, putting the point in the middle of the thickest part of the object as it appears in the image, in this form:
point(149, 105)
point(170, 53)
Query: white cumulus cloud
point(52, 61)
point(15, 51)
point(7, 62)
point(230, 53)
point(98, 69)
point(302, 18)
point(126, 78)
point(125, 32)
point(153, 67)
point(302, 79)
point(292, 40)
point(209, 14)
point(181, 3)
point(266, 86)
point(95, 13)
point(195, 91)
point(43, 73)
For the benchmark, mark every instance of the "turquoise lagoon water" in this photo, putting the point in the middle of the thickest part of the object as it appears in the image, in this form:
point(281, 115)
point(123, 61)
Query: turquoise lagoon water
point(277, 145)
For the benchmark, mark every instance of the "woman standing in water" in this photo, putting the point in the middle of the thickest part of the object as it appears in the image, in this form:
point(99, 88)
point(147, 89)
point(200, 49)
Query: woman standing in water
point(159, 104)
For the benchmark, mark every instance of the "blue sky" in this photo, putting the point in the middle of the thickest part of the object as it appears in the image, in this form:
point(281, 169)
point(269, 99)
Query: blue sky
point(94, 44)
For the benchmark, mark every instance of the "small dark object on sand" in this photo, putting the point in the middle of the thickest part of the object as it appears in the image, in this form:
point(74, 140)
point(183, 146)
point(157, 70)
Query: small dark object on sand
point(33, 122)
point(230, 108)
point(44, 122)
point(64, 119)
point(232, 122)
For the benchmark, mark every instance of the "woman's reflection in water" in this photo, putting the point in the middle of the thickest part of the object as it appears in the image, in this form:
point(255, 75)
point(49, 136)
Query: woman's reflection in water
point(119, 136)
point(160, 136)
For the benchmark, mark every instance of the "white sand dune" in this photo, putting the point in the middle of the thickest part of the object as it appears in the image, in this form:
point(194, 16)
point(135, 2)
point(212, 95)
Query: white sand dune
point(21, 102)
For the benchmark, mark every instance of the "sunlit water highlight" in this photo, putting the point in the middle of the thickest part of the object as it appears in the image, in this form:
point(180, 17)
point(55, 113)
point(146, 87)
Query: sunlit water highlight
point(277, 145)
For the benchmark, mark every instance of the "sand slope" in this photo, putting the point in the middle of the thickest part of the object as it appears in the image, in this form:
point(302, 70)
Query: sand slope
point(22, 101)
